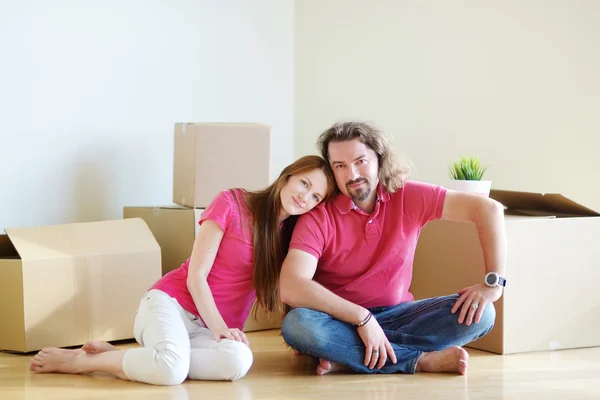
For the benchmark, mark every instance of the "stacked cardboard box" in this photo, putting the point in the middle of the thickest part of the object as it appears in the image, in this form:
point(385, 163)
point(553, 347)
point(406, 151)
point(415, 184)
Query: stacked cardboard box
point(208, 158)
point(551, 300)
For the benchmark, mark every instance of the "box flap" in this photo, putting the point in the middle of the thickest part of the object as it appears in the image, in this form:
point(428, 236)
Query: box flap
point(129, 235)
point(39, 243)
point(538, 204)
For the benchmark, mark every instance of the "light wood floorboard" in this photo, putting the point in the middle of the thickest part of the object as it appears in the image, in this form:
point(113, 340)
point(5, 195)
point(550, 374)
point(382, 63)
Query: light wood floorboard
point(276, 374)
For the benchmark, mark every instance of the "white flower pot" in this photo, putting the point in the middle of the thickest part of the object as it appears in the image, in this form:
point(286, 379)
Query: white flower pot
point(479, 187)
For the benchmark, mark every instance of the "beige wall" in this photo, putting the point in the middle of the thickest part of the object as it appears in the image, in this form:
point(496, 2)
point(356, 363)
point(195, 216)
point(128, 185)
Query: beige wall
point(514, 82)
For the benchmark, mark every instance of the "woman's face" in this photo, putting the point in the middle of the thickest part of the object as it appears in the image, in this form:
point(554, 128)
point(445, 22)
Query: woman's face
point(303, 192)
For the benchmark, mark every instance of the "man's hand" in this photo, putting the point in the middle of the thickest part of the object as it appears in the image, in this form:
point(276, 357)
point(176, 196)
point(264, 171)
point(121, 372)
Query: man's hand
point(377, 345)
point(231, 333)
point(473, 300)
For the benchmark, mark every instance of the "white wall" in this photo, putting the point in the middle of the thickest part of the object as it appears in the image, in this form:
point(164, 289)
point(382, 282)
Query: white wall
point(90, 90)
point(514, 82)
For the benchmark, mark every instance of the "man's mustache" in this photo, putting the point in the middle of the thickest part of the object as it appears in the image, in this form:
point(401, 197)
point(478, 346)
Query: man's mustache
point(357, 181)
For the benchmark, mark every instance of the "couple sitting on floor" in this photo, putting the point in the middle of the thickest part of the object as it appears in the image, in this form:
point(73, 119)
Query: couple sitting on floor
point(333, 238)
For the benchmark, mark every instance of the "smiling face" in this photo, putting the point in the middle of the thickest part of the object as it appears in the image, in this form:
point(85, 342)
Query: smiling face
point(355, 167)
point(302, 192)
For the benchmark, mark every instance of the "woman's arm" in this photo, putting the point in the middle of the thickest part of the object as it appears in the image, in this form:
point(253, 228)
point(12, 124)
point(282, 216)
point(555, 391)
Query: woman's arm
point(206, 246)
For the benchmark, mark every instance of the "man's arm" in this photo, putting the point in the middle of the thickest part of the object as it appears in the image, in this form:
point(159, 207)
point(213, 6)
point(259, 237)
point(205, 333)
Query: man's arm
point(298, 289)
point(488, 217)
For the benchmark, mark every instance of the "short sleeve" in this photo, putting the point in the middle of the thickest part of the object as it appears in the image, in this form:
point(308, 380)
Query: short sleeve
point(219, 210)
point(423, 201)
point(309, 233)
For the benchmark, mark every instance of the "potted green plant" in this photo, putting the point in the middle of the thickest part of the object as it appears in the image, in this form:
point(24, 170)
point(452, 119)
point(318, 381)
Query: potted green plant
point(466, 175)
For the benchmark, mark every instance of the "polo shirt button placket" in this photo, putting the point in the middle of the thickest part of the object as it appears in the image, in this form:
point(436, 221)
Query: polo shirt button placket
point(370, 230)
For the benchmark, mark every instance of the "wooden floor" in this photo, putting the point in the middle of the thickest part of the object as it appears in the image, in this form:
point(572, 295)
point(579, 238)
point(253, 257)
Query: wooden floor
point(276, 374)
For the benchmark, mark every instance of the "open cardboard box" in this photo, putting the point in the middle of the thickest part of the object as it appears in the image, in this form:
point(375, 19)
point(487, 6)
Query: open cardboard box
point(175, 229)
point(551, 300)
point(64, 285)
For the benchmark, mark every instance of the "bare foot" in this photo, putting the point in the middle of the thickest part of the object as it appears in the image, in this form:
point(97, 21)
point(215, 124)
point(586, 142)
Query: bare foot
point(59, 360)
point(327, 367)
point(296, 352)
point(97, 347)
point(453, 359)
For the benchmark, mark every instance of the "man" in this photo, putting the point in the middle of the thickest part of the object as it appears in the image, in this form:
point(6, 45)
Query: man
point(349, 267)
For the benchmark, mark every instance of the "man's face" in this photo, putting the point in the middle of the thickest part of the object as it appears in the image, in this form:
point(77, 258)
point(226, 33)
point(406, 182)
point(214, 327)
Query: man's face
point(355, 167)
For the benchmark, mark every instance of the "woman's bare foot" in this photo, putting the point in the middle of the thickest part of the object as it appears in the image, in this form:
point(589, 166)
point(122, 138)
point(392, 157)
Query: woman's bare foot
point(327, 367)
point(453, 359)
point(97, 347)
point(59, 360)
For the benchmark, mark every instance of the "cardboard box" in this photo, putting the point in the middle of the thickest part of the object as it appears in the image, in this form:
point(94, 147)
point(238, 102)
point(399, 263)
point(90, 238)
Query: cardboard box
point(551, 300)
point(65, 285)
point(211, 157)
point(175, 230)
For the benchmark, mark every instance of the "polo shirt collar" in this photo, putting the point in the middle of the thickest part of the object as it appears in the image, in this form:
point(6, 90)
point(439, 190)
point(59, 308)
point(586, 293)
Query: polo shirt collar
point(345, 203)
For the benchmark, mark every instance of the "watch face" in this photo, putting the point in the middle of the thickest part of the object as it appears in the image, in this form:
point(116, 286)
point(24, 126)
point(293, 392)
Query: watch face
point(491, 279)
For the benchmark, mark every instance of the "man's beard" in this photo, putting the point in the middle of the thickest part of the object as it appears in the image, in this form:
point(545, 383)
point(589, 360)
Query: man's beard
point(360, 194)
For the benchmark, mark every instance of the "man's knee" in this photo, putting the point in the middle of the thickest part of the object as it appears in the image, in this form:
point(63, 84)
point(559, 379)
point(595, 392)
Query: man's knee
point(488, 318)
point(485, 324)
point(298, 328)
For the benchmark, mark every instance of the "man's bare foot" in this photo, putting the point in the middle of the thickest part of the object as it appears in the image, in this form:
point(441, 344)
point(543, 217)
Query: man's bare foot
point(59, 360)
point(453, 359)
point(327, 367)
point(97, 347)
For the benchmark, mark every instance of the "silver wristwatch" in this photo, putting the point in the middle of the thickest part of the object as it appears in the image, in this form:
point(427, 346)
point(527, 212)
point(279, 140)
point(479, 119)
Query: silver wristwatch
point(492, 279)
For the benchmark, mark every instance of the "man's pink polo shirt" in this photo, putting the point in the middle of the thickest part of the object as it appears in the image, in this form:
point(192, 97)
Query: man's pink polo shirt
point(368, 258)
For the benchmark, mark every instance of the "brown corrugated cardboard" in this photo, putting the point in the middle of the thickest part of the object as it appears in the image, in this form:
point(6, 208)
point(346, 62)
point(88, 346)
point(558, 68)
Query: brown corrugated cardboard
point(551, 299)
point(62, 285)
point(211, 157)
point(175, 230)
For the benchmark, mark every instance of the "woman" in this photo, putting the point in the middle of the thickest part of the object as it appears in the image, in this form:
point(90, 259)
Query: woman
point(190, 322)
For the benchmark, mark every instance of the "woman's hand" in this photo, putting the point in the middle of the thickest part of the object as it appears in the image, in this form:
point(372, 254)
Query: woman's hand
point(232, 334)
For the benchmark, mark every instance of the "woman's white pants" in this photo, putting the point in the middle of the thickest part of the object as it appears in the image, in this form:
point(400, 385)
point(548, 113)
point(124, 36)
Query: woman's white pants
point(176, 344)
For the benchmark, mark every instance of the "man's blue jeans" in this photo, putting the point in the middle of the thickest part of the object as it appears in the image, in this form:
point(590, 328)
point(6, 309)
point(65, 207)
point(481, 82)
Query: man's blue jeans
point(412, 328)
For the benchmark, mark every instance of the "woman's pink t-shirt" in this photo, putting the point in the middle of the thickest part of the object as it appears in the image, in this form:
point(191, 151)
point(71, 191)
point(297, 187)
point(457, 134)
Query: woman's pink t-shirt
point(230, 279)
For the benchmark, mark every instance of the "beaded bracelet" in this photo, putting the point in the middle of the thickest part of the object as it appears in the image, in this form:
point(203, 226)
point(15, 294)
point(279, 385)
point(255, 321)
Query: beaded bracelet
point(364, 321)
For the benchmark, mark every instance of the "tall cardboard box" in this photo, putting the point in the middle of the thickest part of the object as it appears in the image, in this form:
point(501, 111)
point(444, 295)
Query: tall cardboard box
point(211, 157)
point(64, 285)
point(175, 230)
point(551, 300)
